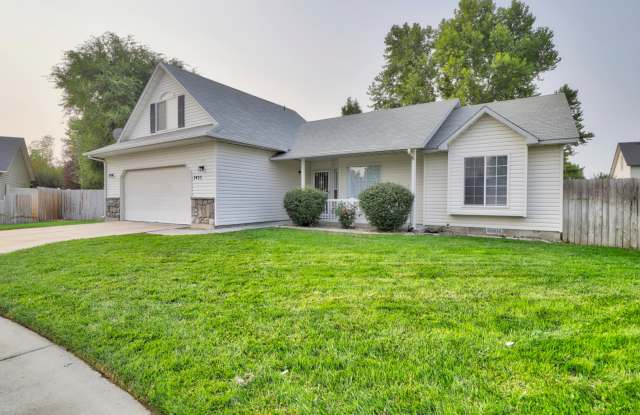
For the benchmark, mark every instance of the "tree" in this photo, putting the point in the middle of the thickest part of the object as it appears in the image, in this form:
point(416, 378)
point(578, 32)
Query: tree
point(408, 75)
point(101, 81)
point(572, 170)
point(351, 107)
point(70, 167)
point(47, 172)
point(485, 54)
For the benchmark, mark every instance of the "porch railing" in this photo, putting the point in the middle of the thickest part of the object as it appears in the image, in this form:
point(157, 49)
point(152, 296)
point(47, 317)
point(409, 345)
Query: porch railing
point(329, 213)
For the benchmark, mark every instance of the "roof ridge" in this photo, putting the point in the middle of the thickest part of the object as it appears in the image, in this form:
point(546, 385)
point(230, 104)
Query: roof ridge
point(511, 100)
point(350, 116)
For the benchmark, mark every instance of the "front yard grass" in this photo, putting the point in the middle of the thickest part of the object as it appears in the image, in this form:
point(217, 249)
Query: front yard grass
point(289, 321)
point(43, 224)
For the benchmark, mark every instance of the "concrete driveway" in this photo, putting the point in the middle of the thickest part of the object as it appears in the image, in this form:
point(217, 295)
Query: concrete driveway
point(26, 238)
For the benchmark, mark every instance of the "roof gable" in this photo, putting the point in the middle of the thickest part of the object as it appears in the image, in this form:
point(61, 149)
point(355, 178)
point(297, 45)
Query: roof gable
point(161, 79)
point(10, 149)
point(631, 152)
point(546, 117)
point(485, 110)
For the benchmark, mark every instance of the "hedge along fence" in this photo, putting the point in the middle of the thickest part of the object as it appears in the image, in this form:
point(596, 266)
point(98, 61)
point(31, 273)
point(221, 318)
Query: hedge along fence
point(602, 212)
point(21, 205)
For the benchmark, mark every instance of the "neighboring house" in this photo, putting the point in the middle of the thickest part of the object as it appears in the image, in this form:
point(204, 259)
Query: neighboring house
point(626, 161)
point(196, 151)
point(15, 165)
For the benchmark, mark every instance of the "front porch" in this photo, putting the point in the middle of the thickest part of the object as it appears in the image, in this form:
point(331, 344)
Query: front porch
point(343, 178)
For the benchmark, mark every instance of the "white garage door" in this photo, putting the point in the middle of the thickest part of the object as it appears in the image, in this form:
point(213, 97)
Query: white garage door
point(158, 195)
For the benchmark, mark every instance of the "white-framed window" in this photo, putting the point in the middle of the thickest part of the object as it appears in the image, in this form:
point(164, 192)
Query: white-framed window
point(360, 178)
point(161, 115)
point(486, 180)
point(167, 113)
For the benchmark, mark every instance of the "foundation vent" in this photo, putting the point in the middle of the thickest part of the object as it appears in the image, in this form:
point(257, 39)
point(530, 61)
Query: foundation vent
point(494, 231)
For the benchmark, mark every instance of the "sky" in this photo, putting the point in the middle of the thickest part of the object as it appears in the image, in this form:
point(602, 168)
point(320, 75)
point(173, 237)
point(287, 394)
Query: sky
point(309, 56)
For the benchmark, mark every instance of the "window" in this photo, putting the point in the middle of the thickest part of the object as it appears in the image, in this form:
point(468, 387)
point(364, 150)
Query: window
point(167, 114)
point(361, 178)
point(474, 181)
point(161, 116)
point(496, 194)
point(485, 180)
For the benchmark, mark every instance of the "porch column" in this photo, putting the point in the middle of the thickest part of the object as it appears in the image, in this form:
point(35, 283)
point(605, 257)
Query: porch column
point(413, 155)
point(303, 173)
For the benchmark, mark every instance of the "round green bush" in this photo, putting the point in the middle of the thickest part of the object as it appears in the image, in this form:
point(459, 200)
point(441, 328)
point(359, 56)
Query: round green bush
point(386, 205)
point(304, 206)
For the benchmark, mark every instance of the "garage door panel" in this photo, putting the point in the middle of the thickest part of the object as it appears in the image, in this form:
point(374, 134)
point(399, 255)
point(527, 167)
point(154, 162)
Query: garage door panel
point(158, 195)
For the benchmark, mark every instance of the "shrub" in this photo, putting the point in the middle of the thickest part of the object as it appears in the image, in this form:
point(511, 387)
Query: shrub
point(304, 206)
point(346, 214)
point(386, 205)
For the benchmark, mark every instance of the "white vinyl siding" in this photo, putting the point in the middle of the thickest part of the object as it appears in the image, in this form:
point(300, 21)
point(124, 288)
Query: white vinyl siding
point(192, 156)
point(488, 137)
point(635, 172)
point(394, 168)
point(3, 185)
point(250, 186)
point(165, 85)
point(544, 194)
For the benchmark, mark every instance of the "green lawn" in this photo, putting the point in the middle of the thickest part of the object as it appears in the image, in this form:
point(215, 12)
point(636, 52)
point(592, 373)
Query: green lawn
point(289, 321)
point(8, 227)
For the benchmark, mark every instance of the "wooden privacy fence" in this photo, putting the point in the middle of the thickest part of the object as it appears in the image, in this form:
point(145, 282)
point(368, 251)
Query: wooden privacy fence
point(22, 205)
point(602, 212)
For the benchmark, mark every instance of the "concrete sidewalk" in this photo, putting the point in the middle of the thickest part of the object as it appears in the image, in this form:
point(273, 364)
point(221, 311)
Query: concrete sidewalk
point(38, 377)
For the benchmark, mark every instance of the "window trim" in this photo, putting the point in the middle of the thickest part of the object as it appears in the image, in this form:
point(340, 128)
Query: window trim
point(484, 195)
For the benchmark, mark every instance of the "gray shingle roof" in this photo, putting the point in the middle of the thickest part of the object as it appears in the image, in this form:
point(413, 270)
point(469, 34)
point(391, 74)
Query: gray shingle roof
point(9, 147)
point(241, 117)
point(631, 152)
point(547, 117)
point(392, 129)
point(246, 119)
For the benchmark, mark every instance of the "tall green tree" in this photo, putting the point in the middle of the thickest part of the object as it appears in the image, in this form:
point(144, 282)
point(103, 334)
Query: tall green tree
point(572, 170)
point(485, 54)
point(351, 107)
point(47, 172)
point(101, 81)
point(408, 76)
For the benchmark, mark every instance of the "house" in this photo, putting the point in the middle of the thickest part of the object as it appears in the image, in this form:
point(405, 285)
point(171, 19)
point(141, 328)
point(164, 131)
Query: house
point(626, 161)
point(195, 151)
point(15, 165)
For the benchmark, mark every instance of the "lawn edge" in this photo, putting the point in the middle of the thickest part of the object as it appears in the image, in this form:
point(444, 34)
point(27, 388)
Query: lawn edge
point(102, 370)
